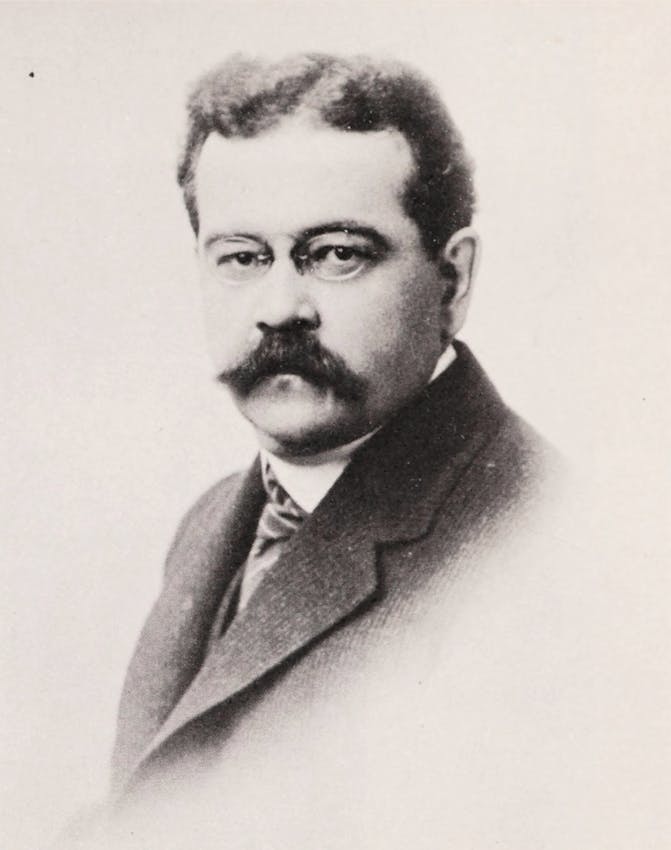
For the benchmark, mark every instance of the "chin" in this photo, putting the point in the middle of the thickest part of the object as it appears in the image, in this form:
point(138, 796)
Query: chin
point(293, 418)
point(290, 432)
point(292, 439)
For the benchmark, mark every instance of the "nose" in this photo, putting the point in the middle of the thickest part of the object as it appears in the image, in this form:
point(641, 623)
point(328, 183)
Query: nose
point(286, 301)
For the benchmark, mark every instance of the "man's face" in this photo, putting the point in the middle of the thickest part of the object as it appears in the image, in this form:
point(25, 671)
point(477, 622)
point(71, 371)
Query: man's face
point(324, 313)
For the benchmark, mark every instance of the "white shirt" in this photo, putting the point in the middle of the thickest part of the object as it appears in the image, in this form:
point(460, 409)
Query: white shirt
point(308, 480)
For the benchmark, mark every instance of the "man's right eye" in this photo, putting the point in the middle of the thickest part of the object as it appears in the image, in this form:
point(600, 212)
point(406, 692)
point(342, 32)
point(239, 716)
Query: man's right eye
point(239, 266)
point(239, 258)
point(242, 258)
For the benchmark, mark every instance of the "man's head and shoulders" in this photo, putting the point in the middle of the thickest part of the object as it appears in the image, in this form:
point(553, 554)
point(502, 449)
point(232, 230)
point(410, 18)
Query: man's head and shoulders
point(332, 202)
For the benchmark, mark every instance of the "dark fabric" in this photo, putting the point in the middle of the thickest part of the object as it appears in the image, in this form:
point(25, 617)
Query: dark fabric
point(173, 643)
point(279, 520)
point(227, 610)
point(440, 477)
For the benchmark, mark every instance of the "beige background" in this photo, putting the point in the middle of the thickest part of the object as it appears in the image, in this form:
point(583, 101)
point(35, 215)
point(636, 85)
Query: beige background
point(112, 422)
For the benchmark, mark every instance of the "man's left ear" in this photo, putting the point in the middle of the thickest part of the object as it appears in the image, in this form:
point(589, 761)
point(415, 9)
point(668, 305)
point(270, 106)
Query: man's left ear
point(458, 262)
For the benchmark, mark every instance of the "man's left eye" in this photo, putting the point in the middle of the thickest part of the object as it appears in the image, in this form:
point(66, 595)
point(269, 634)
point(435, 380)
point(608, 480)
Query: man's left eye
point(338, 262)
point(343, 253)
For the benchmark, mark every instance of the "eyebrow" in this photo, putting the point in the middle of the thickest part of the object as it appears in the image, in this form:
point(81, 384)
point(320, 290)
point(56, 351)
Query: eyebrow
point(219, 237)
point(347, 226)
point(351, 227)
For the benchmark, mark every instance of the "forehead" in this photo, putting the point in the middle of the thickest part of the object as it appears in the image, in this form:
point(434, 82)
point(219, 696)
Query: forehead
point(299, 175)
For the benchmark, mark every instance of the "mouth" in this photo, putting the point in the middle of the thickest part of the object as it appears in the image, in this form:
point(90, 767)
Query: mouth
point(291, 380)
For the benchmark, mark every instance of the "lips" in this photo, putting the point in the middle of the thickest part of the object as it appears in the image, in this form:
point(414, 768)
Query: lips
point(304, 372)
point(290, 380)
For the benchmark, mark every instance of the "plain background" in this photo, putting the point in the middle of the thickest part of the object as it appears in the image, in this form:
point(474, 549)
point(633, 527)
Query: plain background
point(112, 421)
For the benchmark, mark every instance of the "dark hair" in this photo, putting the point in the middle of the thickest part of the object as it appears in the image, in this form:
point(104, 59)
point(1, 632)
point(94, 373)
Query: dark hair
point(243, 97)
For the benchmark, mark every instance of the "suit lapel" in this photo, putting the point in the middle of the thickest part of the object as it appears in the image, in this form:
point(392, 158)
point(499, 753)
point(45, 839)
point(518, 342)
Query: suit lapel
point(328, 572)
point(215, 538)
point(410, 467)
point(323, 577)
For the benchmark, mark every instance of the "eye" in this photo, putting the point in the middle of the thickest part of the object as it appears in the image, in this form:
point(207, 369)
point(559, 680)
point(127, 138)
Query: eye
point(332, 261)
point(242, 258)
point(343, 253)
point(239, 266)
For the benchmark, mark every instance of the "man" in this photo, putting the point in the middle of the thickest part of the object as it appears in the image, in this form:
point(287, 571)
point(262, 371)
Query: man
point(331, 201)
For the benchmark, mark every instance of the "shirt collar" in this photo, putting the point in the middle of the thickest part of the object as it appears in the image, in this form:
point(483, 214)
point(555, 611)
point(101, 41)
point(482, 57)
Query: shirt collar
point(308, 480)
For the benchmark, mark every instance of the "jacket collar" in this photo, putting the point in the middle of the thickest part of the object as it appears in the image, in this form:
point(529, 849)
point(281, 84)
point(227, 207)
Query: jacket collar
point(389, 492)
point(410, 465)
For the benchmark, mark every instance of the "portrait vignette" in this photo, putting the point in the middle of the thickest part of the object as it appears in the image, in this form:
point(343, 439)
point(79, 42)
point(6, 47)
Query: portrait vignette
point(351, 608)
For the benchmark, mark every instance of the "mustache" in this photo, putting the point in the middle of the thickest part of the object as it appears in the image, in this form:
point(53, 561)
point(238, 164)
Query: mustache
point(296, 352)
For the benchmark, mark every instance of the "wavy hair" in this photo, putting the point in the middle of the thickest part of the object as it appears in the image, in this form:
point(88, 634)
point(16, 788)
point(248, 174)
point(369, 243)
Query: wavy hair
point(244, 96)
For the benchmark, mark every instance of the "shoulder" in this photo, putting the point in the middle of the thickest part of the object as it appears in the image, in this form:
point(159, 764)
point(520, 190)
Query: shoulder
point(203, 516)
point(521, 450)
point(516, 472)
point(210, 502)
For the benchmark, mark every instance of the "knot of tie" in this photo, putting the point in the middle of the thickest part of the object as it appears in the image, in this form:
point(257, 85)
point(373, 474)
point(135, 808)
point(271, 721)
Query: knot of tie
point(280, 518)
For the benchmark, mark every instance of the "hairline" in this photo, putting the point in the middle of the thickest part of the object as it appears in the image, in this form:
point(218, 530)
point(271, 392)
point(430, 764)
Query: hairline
point(247, 96)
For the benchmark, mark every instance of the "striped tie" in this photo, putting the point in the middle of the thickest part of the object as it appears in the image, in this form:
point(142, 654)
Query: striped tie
point(280, 518)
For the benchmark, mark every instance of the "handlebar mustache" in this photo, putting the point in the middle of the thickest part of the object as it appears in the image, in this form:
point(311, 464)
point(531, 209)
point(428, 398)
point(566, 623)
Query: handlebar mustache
point(299, 353)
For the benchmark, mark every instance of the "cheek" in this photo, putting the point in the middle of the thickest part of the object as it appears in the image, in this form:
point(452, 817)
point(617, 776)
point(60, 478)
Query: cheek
point(354, 324)
point(226, 325)
point(382, 323)
point(418, 309)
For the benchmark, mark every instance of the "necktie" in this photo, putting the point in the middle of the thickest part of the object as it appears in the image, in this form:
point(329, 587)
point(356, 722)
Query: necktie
point(280, 519)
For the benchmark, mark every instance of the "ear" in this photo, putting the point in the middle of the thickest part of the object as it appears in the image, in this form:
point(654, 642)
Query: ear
point(459, 261)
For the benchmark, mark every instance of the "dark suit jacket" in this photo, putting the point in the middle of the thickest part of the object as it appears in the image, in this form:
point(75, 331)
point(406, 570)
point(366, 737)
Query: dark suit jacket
point(420, 500)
